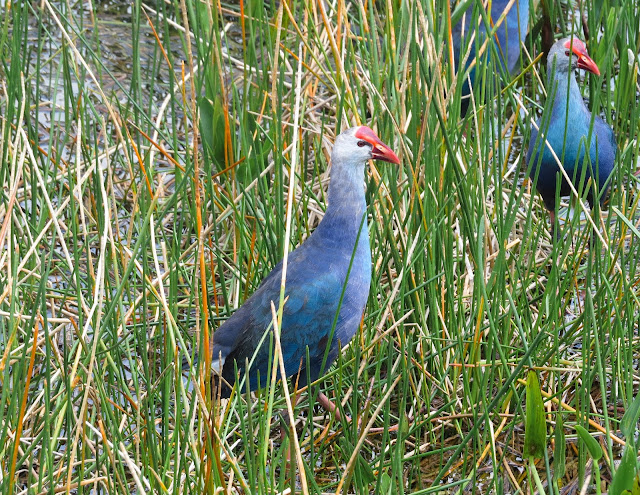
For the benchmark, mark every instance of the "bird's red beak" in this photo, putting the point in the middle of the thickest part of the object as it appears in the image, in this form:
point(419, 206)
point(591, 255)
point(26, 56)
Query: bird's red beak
point(584, 61)
point(380, 150)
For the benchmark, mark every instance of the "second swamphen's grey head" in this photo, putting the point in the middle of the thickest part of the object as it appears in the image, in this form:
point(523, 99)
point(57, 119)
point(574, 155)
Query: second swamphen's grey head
point(587, 153)
point(567, 54)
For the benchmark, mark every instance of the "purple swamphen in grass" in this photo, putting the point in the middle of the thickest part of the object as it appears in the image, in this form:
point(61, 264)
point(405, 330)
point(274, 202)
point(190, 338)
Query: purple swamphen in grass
point(327, 284)
point(566, 125)
point(508, 38)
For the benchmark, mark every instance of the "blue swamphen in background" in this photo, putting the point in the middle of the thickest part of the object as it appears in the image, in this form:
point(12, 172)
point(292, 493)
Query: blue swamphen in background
point(510, 34)
point(327, 283)
point(568, 131)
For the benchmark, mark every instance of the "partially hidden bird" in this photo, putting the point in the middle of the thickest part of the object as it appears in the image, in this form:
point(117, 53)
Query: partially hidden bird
point(585, 152)
point(327, 284)
point(509, 36)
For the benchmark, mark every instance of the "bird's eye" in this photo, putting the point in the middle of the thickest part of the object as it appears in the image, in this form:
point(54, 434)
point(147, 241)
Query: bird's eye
point(362, 143)
point(567, 53)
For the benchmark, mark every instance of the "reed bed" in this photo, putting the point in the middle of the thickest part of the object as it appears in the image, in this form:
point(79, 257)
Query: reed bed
point(144, 197)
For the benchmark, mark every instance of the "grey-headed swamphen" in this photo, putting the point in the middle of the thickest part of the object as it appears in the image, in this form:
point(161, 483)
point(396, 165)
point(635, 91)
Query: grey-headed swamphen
point(568, 131)
point(327, 283)
point(510, 34)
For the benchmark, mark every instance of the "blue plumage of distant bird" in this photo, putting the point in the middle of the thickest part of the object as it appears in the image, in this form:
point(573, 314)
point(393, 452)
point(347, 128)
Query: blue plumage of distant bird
point(328, 276)
point(567, 132)
point(510, 34)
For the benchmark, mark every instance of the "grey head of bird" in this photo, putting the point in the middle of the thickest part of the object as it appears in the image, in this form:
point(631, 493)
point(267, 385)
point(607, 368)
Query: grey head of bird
point(567, 52)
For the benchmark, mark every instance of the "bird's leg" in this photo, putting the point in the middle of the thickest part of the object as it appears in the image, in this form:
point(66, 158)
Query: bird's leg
point(554, 229)
point(287, 420)
point(325, 402)
point(596, 219)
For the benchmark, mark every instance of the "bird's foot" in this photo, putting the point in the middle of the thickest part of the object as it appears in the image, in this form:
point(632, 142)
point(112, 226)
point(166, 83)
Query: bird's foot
point(325, 402)
point(554, 228)
point(329, 406)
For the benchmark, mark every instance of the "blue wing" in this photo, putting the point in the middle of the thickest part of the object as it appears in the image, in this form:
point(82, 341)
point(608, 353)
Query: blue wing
point(314, 285)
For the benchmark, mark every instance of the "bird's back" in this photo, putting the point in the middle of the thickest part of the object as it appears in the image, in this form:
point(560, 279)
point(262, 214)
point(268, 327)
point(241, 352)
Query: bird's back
point(511, 32)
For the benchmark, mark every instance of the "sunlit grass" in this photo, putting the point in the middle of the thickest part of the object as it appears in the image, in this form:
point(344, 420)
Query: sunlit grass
point(129, 234)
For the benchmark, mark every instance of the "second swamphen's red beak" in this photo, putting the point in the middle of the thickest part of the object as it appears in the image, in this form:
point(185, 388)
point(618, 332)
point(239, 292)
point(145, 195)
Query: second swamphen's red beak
point(580, 51)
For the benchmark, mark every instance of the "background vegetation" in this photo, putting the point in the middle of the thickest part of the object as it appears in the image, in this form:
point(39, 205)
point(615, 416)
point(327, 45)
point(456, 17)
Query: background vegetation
point(147, 151)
